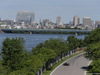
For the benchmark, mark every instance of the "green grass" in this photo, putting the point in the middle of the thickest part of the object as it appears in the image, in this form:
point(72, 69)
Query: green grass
point(47, 72)
point(88, 74)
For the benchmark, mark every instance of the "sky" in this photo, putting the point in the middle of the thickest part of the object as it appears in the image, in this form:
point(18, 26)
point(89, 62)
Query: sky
point(50, 9)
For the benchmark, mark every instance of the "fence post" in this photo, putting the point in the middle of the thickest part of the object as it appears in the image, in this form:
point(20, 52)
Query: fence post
point(40, 71)
point(37, 73)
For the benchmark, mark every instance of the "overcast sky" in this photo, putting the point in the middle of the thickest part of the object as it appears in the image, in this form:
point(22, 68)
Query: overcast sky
point(51, 9)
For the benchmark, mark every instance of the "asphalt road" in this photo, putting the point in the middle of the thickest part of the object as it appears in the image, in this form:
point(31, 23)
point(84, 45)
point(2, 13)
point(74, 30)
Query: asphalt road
point(78, 66)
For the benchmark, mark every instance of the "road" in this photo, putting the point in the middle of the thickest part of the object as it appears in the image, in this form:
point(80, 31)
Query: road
point(78, 65)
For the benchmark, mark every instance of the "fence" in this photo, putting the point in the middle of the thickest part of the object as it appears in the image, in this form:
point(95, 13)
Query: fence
point(94, 73)
point(59, 58)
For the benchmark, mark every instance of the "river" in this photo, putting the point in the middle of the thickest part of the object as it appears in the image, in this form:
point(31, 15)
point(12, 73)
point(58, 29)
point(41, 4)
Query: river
point(32, 40)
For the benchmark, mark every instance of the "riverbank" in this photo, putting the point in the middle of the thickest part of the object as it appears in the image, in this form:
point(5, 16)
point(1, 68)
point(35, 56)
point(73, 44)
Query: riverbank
point(46, 31)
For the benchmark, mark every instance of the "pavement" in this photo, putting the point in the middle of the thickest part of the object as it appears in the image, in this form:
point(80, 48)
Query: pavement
point(78, 66)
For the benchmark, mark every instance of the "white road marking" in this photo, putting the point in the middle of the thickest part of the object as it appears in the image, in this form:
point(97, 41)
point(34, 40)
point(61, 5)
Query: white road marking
point(62, 63)
point(88, 65)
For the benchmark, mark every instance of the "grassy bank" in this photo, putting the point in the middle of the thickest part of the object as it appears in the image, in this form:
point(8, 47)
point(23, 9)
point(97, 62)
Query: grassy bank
point(88, 74)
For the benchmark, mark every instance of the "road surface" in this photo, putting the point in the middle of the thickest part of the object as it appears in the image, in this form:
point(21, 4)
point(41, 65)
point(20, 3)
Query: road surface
point(78, 65)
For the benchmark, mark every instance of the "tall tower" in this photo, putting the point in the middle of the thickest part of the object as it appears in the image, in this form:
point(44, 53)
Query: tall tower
point(25, 16)
point(58, 21)
point(87, 21)
point(76, 20)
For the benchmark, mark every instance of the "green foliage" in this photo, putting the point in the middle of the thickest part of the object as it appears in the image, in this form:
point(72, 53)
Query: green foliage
point(50, 49)
point(81, 43)
point(74, 42)
point(93, 44)
point(3, 70)
point(21, 72)
point(94, 37)
point(18, 61)
point(33, 63)
point(47, 54)
point(12, 53)
point(58, 45)
point(48, 32)
point(96, 66)
point(93, 51)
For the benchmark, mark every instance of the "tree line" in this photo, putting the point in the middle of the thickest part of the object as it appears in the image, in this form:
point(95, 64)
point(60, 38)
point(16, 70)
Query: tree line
point(93, 50)
point(17, 60)
point(45, 32)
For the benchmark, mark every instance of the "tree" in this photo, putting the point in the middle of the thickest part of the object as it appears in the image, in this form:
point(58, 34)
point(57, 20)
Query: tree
point(93, 37)
point(93, 43)
point(95, 66)
point(12, 53)
point(47, 55)
point(58, 45)
point(73, 42)
point(3, 70)
point(80, 43)
point(49, 50)
point(93, 51)
point(33, 64)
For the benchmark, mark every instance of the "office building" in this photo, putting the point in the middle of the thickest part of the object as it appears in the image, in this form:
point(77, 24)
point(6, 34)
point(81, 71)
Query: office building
point(97, 22)
point(92, 22)
point(76, 20)
point(25, 17)
point(58, 21)
point(87, 21)
point(7, 22)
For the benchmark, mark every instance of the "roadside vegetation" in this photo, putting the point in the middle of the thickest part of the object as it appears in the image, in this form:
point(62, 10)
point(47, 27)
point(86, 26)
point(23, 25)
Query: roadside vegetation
point(16, 60)
point(93, 50)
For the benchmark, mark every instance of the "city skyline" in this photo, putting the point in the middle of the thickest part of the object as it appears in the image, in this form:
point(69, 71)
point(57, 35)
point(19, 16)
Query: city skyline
point(51, 9)
point(26, 17)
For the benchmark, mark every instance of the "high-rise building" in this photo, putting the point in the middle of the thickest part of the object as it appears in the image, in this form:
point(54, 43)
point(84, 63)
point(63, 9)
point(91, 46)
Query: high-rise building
point(87, 21)
point(71, 22)
point(26, 17)
point(97, 22)
point(46, 22)
point(92, 22)
point(76, 20)
point(58, 21)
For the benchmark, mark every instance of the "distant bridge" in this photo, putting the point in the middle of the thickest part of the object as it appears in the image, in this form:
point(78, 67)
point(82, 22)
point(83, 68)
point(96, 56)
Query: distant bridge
point(32, 31)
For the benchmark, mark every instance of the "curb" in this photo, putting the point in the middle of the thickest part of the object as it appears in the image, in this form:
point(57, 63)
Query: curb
point(64, 62)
